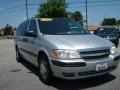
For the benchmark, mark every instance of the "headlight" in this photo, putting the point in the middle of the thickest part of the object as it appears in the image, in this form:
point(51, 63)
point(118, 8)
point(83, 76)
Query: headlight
point(113, 50)
point(65, 54)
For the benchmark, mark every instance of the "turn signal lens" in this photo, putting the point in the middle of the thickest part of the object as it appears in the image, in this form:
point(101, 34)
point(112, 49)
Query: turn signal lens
point(55, 54)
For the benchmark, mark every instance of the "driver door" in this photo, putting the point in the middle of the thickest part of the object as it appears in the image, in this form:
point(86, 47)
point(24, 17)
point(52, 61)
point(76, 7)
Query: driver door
point(30, 46)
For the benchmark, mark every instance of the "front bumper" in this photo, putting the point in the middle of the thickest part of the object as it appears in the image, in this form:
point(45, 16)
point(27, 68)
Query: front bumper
point(77, 69)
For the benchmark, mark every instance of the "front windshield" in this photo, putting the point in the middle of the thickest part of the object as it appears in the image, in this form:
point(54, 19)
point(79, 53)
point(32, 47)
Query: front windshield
point(60, 27)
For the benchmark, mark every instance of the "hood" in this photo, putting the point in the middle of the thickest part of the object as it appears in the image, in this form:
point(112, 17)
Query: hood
point(76, 42)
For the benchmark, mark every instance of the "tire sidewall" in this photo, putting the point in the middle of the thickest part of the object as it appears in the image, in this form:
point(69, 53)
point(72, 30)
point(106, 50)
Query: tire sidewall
point(47, 65)
point(18, 56)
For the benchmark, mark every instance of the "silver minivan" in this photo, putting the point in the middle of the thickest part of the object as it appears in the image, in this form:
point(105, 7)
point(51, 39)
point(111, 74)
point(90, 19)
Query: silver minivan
point(62, 48)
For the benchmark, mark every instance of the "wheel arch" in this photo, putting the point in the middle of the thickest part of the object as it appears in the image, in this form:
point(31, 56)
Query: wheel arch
point(42, 52)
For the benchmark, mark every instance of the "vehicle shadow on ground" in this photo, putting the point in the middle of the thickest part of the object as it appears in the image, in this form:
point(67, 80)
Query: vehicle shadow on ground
point(73, 84)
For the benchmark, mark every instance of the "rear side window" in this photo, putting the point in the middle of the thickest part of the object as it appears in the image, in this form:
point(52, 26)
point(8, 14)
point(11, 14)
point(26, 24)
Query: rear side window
point(22, 29)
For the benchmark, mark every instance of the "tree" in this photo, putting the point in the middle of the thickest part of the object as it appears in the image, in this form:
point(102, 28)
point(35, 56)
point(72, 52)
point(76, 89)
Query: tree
point(109, 21)
point(77, 16)
point(52, 9)
point(118, 22)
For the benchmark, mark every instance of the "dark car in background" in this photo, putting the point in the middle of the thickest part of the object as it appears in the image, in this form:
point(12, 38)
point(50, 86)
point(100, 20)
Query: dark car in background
point(119, 31)
point(110, 33)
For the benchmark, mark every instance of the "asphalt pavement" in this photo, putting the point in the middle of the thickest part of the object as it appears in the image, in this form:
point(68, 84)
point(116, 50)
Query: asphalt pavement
point(24, 76)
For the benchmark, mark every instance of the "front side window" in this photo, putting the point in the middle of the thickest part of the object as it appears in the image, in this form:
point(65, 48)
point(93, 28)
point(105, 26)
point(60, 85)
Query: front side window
point(60, 27)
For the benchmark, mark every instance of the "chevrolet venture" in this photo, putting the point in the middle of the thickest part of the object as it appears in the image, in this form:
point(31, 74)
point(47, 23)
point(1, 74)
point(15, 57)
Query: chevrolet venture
point(62, 48)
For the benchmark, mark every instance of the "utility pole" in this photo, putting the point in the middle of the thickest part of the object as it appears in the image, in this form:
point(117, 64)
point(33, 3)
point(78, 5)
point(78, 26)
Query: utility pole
point(86, 14)
point(26, 5)
point(64, 1)
point(41, 1)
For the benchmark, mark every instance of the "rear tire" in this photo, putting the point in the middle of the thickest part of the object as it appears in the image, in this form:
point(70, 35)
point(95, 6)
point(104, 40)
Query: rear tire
point(45, 73)
point(18, 56)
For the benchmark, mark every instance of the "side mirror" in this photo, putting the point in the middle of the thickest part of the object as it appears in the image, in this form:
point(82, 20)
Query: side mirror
point(31, 34)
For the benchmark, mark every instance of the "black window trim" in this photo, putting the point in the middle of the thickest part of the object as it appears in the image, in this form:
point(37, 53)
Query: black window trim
point(29, 26)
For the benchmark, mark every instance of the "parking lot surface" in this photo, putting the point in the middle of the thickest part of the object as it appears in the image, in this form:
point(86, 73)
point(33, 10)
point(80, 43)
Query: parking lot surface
point(24, 76)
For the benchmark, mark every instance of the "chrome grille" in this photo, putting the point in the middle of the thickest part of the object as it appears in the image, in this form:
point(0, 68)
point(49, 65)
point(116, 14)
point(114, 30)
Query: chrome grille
point(95, 54)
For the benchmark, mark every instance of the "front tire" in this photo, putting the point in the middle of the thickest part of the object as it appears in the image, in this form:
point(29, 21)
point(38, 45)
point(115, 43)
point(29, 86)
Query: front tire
point(45, 73)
